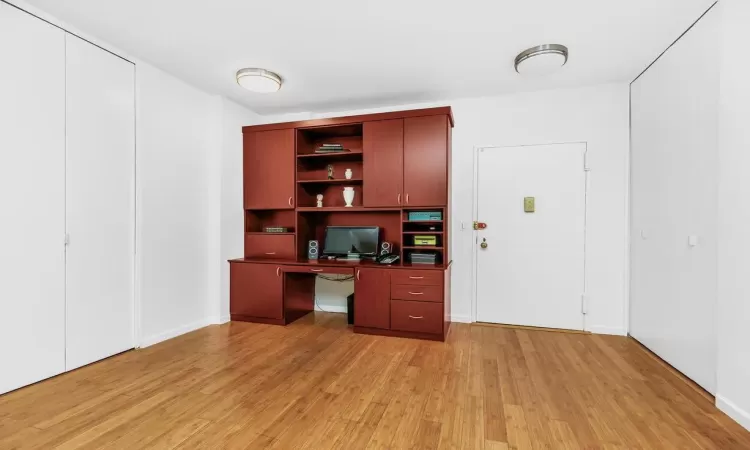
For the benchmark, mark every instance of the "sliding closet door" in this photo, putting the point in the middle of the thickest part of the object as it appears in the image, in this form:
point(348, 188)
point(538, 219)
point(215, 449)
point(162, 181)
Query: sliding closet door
point(100, 203)
point(32, 199)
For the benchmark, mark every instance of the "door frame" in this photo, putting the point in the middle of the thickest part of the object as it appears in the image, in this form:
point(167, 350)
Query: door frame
point(475, 213)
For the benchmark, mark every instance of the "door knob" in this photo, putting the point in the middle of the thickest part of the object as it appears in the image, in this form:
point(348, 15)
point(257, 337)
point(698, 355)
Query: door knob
point(484, 243)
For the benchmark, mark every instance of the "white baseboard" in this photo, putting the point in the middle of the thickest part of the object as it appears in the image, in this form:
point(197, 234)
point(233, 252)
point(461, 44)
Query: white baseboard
point(173, 333)
point(607, 330)
point(332, 308)
point(461, 319)
point(738, 414)
point(224, 319)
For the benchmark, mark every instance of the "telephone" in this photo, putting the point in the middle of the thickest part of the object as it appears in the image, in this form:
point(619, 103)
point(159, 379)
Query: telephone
point(388, 258)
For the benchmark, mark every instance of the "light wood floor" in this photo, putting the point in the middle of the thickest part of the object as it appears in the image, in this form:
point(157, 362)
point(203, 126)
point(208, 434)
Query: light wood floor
point(316, 385)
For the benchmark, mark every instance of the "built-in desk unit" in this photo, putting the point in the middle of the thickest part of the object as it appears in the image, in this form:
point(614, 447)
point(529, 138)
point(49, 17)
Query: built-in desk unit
point(397, 163)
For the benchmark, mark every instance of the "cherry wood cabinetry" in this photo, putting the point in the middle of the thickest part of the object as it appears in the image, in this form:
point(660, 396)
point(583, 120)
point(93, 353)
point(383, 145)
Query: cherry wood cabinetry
point(372, 298)
point(426, 161)
point(267, 184)
point(383, 146)
point(256, 291)
point(398, 164)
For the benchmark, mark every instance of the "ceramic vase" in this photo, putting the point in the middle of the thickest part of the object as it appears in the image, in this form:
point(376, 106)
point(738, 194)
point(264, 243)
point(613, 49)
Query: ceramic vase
point(348, 174)
point(349, 196)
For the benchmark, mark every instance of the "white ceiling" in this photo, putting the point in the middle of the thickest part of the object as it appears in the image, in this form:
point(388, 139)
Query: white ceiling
point(346, 54)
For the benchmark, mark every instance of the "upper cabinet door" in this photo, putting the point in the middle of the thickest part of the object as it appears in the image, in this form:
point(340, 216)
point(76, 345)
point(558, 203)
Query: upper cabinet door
point(269, 169)
point(383, 164)
point(426, 161)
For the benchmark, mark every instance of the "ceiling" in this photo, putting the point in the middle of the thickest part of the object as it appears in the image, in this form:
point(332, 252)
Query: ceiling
point(347, 54)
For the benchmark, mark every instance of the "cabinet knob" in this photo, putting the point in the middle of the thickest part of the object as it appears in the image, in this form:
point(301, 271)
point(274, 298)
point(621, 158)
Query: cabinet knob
point(407, 199)
point(357, 274)
point(290, 202)
point(399, 199)
point(278, 271)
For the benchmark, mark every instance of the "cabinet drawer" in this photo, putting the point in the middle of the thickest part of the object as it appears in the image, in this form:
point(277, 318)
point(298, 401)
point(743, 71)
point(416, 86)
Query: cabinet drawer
point(418, 277)
point(418, 317)
point(417, 293)
point(269, 246)
point(327, 270)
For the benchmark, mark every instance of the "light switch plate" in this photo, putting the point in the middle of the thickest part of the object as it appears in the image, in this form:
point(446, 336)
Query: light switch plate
point(529, 204)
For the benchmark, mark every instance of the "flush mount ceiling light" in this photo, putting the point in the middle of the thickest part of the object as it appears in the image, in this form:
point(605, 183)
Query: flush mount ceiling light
point(542, 59)
point(258, 80)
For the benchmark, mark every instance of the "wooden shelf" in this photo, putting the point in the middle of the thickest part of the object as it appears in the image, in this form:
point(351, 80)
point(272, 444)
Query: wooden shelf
point(421, 247)
point(345, 209)
point(423, 232)
point(355, 154)
point(342, 181)
point(288, 233)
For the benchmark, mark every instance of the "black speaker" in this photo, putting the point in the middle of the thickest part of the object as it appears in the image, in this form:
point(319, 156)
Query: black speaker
point(386, 248)
point(312, 249)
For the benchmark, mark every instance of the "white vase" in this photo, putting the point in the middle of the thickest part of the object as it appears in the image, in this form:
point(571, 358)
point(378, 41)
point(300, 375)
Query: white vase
point(348, 174)
point(348, 196)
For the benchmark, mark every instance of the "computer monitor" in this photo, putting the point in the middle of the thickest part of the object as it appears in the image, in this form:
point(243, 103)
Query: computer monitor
point(344, 241)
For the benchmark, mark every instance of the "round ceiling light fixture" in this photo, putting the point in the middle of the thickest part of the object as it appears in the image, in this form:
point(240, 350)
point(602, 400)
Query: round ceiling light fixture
point(259, 80)
point(542, 59)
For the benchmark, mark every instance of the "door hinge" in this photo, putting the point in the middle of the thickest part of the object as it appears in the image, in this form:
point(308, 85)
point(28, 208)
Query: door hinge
point(67, 239)
point(584, 304)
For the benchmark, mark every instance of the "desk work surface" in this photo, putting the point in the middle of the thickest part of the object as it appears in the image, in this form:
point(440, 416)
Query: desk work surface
point(339, 263)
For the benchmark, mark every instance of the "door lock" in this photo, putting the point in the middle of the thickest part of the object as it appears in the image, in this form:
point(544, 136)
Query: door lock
point(480, 225)
point(484, 243)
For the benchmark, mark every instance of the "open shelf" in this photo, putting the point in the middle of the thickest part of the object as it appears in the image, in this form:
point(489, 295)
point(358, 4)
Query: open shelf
point(356, 154)
point(421, 247)
point(423, 232)
point(326, 181)
point(344, 209)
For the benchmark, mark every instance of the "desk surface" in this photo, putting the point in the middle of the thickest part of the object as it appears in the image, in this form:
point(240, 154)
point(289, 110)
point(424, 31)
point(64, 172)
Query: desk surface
point(340, 263)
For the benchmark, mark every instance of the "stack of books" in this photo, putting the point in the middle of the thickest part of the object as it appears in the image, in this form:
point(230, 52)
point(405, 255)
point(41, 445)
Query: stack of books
point(331, 148)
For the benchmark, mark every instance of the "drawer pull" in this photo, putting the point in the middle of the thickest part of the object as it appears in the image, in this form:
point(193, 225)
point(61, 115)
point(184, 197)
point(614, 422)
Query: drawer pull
point(290, 202)
point(416, 278)
point(316, 270)
point(278, 271)
point(416, 317)
point(270, 253)
point(416, 293)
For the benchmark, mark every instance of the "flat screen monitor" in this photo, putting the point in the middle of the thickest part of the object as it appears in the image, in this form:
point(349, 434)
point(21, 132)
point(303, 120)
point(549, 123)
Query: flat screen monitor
point(351, 241)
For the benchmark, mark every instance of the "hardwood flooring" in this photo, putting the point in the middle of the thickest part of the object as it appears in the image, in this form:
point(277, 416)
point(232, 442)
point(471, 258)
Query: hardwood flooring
point(316, 385)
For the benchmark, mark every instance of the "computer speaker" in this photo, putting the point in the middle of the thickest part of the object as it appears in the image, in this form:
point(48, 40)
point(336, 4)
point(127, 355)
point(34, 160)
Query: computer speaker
point(386, 248)
point(312, 249)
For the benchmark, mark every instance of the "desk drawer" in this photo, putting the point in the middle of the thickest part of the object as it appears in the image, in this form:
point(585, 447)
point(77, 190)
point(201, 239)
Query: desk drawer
point(418, 317)
point(314, 269)
point(417, 293)
point(418, 277)
point(269, 246)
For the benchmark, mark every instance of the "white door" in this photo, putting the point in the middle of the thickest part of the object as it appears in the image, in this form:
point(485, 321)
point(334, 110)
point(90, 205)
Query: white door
point(32, 199)
point(100, 203)
point(532, 270)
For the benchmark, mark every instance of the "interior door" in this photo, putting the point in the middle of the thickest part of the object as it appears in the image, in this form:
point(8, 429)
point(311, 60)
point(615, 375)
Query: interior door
point(256, 290)
point(269, 162)
point(532, 269)
point(383, 163)
point(372, 302)
point(32, 195)
point(100, 198)
point(426, 161)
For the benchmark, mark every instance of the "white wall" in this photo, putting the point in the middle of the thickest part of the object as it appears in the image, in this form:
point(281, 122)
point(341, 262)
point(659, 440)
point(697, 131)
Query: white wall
point(597, 115)
point(733, 394)
point(176, 133)
point(674, 139)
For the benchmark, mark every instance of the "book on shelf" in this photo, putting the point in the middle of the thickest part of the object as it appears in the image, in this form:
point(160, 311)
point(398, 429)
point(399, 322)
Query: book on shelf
point(331, 150)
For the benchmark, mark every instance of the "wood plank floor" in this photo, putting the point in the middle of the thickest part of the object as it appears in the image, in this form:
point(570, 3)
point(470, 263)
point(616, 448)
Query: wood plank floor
point(316, 385)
